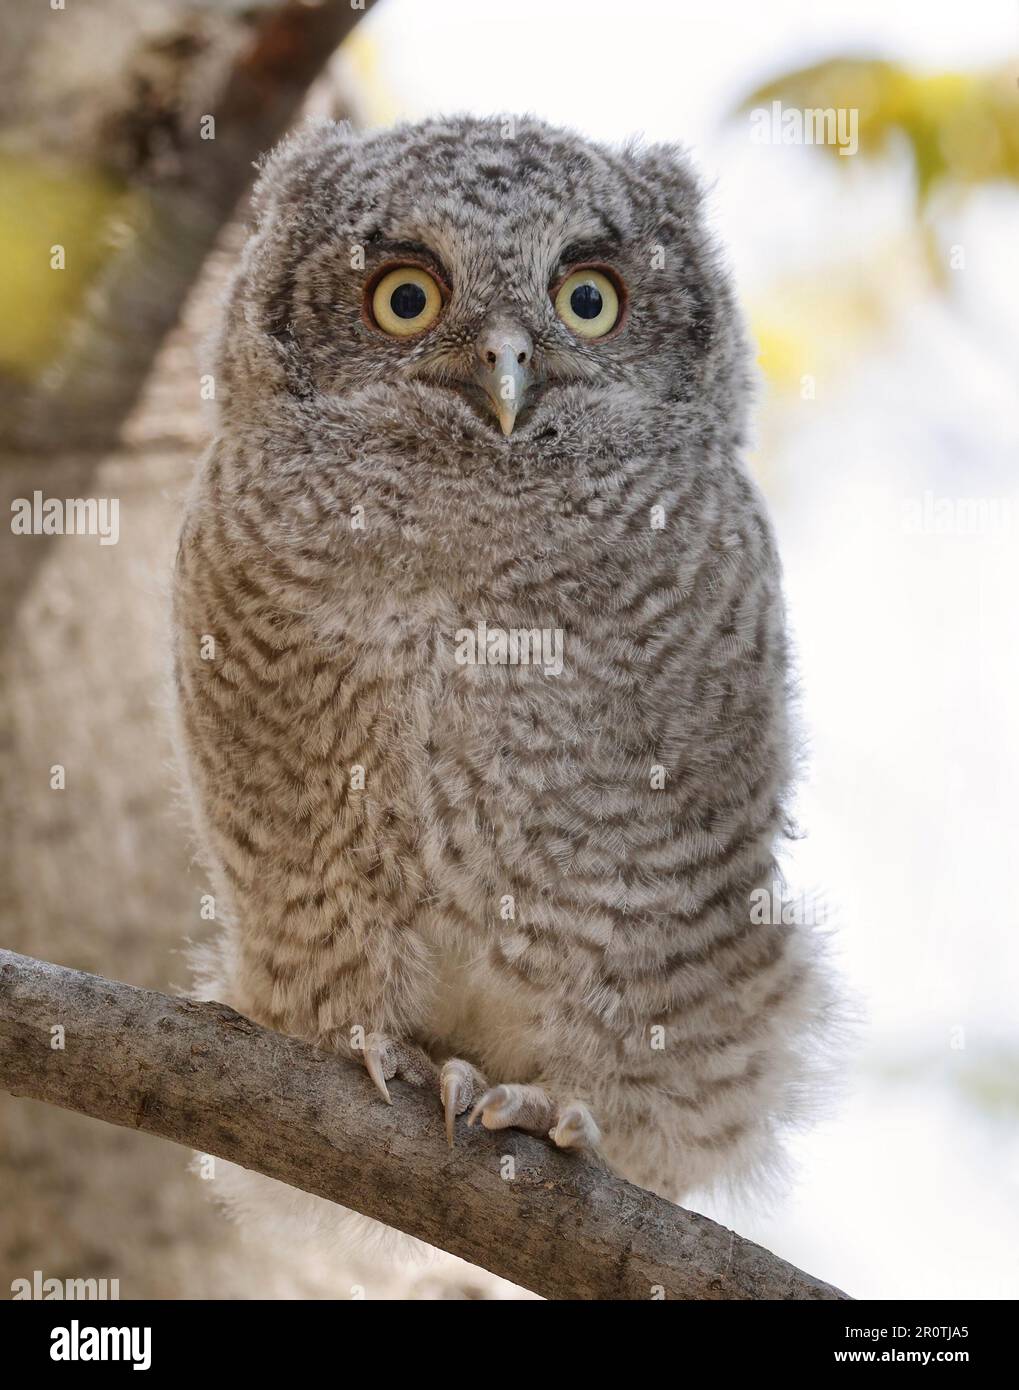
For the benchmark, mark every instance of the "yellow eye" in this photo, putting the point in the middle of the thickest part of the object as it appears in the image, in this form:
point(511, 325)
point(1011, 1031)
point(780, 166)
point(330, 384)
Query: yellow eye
point(405, 301)
point(588, 302)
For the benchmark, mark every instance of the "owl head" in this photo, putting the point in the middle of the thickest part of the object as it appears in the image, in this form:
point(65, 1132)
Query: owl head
point(477, 327)
point(501, 267)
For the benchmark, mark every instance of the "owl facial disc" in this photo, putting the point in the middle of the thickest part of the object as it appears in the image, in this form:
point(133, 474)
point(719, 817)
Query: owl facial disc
point(505, 353)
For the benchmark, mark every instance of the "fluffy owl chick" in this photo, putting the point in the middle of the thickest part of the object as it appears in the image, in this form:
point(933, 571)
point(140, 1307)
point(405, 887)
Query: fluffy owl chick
point(480, 650)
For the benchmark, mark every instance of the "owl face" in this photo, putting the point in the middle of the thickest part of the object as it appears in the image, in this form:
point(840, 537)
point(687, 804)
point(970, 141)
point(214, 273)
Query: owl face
point(512, 271)
point(459, 309)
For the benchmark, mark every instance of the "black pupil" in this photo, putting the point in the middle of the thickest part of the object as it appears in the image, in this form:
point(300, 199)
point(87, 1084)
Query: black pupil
point(585, 301)
point(407, 300)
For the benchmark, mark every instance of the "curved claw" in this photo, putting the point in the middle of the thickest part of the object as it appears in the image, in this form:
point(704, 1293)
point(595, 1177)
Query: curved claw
point(374, 1053)
point(490, 1100)
point(458, 1082)
point(576, 1128)
point(529, 1107)
point(450, 1097)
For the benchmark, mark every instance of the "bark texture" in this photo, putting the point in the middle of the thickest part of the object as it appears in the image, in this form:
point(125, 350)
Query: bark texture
point(185, 188)
point(204, 1076)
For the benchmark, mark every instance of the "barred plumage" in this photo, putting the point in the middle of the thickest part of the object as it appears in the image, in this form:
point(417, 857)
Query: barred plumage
point(548, 876)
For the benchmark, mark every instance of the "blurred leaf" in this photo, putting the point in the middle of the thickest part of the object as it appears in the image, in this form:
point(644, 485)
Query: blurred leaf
point(41, 208)
point(992, 1085)
point(365, 59)
point(989, 1083)
point(959, 127)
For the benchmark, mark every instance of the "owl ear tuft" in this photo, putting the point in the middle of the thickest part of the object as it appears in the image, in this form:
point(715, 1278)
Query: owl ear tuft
point(289, 167)
point(669, 172)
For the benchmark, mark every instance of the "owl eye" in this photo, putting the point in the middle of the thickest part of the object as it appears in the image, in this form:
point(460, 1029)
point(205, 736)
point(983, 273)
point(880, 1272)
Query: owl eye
point(406, 301)
point(588, 302)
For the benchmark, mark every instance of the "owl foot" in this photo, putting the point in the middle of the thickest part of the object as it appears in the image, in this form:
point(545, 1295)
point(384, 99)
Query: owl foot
point(383, 1059)
point(459, 1083)
point(576, 1128)
point(533, 1109)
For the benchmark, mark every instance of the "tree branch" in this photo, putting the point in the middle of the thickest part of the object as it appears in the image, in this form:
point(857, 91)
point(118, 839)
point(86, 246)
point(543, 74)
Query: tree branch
point(203, 1076)
point(139, 294)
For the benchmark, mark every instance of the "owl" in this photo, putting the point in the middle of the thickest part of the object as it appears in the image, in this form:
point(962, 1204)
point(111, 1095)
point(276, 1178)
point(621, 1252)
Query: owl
point(480, 655)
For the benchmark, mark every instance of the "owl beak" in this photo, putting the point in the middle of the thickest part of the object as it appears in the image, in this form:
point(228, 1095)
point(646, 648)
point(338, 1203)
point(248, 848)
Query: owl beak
point(503, 372)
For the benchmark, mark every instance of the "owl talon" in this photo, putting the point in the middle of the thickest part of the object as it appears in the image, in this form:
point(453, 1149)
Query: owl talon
point(531, 1108)
point(458, 1082)
point(491, 1100)
point(516, 1107)
point(383, 1059)
point(576, 1129)
point(376, 1049)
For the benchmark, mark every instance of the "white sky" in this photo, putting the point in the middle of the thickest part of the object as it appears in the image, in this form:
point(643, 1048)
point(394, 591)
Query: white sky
point(590, 64)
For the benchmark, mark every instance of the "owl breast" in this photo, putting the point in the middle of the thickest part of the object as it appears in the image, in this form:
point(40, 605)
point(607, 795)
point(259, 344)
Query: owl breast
point(517, 817)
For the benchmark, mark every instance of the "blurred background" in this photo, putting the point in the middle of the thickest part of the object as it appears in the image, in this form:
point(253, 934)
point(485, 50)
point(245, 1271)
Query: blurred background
point(883, 295)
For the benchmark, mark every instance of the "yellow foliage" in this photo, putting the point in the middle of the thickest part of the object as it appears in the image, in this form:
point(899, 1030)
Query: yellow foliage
point(959, 127)
point(42, 208)
point(363, 55)
point(806, 326)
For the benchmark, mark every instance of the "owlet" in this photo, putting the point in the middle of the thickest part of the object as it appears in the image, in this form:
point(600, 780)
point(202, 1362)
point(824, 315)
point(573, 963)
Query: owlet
point(480, 650)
